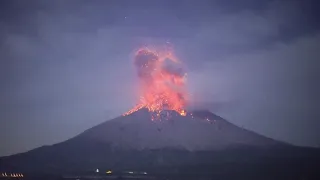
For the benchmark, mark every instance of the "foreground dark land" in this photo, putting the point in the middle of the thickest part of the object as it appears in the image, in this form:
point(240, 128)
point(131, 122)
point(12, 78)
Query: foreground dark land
point(235, 163)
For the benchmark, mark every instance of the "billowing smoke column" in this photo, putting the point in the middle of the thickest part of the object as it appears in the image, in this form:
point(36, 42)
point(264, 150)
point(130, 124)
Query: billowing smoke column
point(162, 81)
point(146, 63)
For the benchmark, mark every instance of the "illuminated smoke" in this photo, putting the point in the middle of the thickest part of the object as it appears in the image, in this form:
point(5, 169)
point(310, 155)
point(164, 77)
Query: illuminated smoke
point(146, 63)
point(162, 82)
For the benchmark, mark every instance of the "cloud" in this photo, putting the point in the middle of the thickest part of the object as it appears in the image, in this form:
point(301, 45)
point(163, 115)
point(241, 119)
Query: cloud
point(61, 79)
point(273, 88)
point(65, 65)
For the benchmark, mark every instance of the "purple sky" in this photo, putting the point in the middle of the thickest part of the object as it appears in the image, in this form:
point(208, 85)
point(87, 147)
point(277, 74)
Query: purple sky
point(67, 65)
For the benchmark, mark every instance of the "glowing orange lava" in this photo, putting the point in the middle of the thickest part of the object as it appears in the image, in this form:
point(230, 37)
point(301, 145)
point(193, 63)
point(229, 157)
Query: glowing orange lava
point(162, 82)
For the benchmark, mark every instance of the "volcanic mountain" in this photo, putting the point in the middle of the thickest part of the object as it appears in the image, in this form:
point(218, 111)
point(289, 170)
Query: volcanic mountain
point(137, 141)
point(200, 130)
point(159, 135)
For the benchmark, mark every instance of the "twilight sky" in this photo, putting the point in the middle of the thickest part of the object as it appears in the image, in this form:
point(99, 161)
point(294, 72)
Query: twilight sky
point(67, 65)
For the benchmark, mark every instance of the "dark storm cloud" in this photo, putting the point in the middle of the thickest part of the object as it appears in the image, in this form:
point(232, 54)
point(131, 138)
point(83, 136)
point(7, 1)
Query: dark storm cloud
point(67, 65)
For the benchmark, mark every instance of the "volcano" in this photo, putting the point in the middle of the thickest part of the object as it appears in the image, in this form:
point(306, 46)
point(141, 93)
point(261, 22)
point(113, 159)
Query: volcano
point(109, 143)
point(198, 142)
point(197, 131)
point(159, 135)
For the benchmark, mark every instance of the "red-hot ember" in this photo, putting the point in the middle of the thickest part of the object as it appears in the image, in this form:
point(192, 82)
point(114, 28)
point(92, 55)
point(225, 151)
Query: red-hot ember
point(162, 82)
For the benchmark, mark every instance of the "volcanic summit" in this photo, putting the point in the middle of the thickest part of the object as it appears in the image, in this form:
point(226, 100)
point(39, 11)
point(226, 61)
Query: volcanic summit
point(164, 98)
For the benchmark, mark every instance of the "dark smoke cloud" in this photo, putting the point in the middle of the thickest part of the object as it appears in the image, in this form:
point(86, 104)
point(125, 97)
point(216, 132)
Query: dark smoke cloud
point(145, 63)
point(173, 68)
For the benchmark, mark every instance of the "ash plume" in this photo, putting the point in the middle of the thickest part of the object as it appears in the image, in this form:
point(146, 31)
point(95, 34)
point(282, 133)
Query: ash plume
point(145, 62)
point(162, 81)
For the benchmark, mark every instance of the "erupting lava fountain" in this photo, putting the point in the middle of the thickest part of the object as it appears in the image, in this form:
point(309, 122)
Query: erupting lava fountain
point(162, 82)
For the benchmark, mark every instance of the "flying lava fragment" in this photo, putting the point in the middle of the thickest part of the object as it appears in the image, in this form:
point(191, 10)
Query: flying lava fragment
point(162, 82)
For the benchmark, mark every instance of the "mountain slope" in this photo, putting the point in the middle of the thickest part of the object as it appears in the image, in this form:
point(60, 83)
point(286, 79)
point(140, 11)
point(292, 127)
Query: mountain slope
point(200, 130)
point(134, 141)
